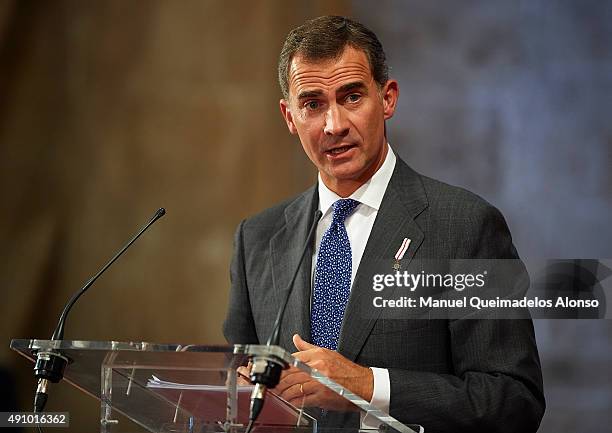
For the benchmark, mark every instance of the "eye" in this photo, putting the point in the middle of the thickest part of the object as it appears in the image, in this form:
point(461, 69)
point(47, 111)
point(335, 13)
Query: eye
point(312, 105)
point(353, 97)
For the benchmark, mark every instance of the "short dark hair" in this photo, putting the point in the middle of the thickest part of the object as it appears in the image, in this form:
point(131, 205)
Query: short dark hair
point(325, 38)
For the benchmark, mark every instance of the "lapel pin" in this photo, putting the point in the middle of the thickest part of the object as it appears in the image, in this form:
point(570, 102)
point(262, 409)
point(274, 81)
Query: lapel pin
point(400, 254)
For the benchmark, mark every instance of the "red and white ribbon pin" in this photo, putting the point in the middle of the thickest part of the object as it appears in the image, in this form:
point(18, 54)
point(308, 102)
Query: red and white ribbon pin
point(400, 253)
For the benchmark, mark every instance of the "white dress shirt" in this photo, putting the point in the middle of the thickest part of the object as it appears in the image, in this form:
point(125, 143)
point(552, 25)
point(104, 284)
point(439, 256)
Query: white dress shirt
point(358, 227)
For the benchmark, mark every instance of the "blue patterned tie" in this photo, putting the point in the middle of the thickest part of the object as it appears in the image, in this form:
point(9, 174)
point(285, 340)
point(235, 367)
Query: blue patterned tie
point(332, 283)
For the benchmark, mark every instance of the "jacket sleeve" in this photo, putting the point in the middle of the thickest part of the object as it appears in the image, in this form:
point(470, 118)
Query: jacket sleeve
point(496, 385)
point(239, 326)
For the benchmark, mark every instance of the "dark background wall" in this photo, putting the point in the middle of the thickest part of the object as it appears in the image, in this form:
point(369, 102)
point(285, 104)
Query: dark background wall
point(511, 99)
point(110, 109)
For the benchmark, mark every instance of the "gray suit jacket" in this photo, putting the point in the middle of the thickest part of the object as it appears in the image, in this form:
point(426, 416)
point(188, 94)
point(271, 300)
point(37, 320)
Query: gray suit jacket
point(447, 375)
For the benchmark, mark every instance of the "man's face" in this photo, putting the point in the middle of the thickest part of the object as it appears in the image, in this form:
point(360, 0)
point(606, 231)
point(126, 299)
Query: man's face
point(339, 113)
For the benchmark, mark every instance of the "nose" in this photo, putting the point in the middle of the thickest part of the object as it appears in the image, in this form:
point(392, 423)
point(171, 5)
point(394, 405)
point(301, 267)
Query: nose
point(336, 122)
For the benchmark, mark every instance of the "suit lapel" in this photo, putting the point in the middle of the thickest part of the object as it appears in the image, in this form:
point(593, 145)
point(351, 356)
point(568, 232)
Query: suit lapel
point(285, 250)
point(404, 199)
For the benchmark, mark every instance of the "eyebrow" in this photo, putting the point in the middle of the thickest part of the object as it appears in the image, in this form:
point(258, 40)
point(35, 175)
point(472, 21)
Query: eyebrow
point(343, 89)
point(352, 86)
point(309, 94)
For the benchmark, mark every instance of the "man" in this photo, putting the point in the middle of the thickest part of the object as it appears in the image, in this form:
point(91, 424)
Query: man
point(447, 375)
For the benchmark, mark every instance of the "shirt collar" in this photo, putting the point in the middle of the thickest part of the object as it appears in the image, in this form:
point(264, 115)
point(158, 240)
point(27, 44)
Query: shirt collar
point(370, 193)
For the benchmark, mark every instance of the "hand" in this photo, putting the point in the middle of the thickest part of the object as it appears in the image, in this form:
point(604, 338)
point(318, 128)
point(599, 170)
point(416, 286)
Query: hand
point(300, 390)
point(244, 372)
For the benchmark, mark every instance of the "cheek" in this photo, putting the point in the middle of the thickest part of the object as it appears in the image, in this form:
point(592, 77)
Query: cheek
point(310, 136)
point(373, 128)
point(309, 145)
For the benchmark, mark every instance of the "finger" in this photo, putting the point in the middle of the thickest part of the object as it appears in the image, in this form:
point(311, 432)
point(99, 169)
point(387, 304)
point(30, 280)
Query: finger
point(302, 345)
point(294, 392)
point(297, 393)
point(311, 355)
point(243, 376)
point(291, 380)
point(323, 399)
point(311, 396)
point(242, 381)
point(290, 372)
point(301, 402)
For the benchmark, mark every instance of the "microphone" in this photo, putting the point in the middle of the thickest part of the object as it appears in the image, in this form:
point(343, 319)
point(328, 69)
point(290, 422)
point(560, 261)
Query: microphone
point(50, 365)
point(266, 371)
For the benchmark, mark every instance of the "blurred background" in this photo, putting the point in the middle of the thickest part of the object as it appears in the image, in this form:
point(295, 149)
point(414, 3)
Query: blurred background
point(112, 109)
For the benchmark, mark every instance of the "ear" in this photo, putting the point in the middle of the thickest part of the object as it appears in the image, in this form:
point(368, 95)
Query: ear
point(390, 94)
point(286, 112)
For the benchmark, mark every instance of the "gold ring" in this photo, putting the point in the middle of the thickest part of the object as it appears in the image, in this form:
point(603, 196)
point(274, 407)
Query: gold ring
point(302, 388)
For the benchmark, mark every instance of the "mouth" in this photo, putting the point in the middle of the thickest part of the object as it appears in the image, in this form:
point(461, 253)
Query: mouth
point(339, 150)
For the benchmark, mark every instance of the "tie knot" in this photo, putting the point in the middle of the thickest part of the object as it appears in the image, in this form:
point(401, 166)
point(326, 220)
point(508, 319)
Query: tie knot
point(343, 208)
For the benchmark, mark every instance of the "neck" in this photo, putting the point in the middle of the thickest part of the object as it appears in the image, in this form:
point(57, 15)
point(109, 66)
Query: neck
point(344, 188)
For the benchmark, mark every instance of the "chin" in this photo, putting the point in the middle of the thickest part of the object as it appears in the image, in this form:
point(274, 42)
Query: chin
point(346, 175)
point(349, 170)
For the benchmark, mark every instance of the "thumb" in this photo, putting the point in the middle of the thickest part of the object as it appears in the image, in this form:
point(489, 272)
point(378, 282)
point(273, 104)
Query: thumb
point(301, 344)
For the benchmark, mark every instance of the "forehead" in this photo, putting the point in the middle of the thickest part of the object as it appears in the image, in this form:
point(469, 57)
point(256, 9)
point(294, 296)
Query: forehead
point(307, 75)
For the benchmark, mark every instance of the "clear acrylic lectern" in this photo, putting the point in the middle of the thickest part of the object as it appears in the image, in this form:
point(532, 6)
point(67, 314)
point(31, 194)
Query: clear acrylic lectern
point(170, 388)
